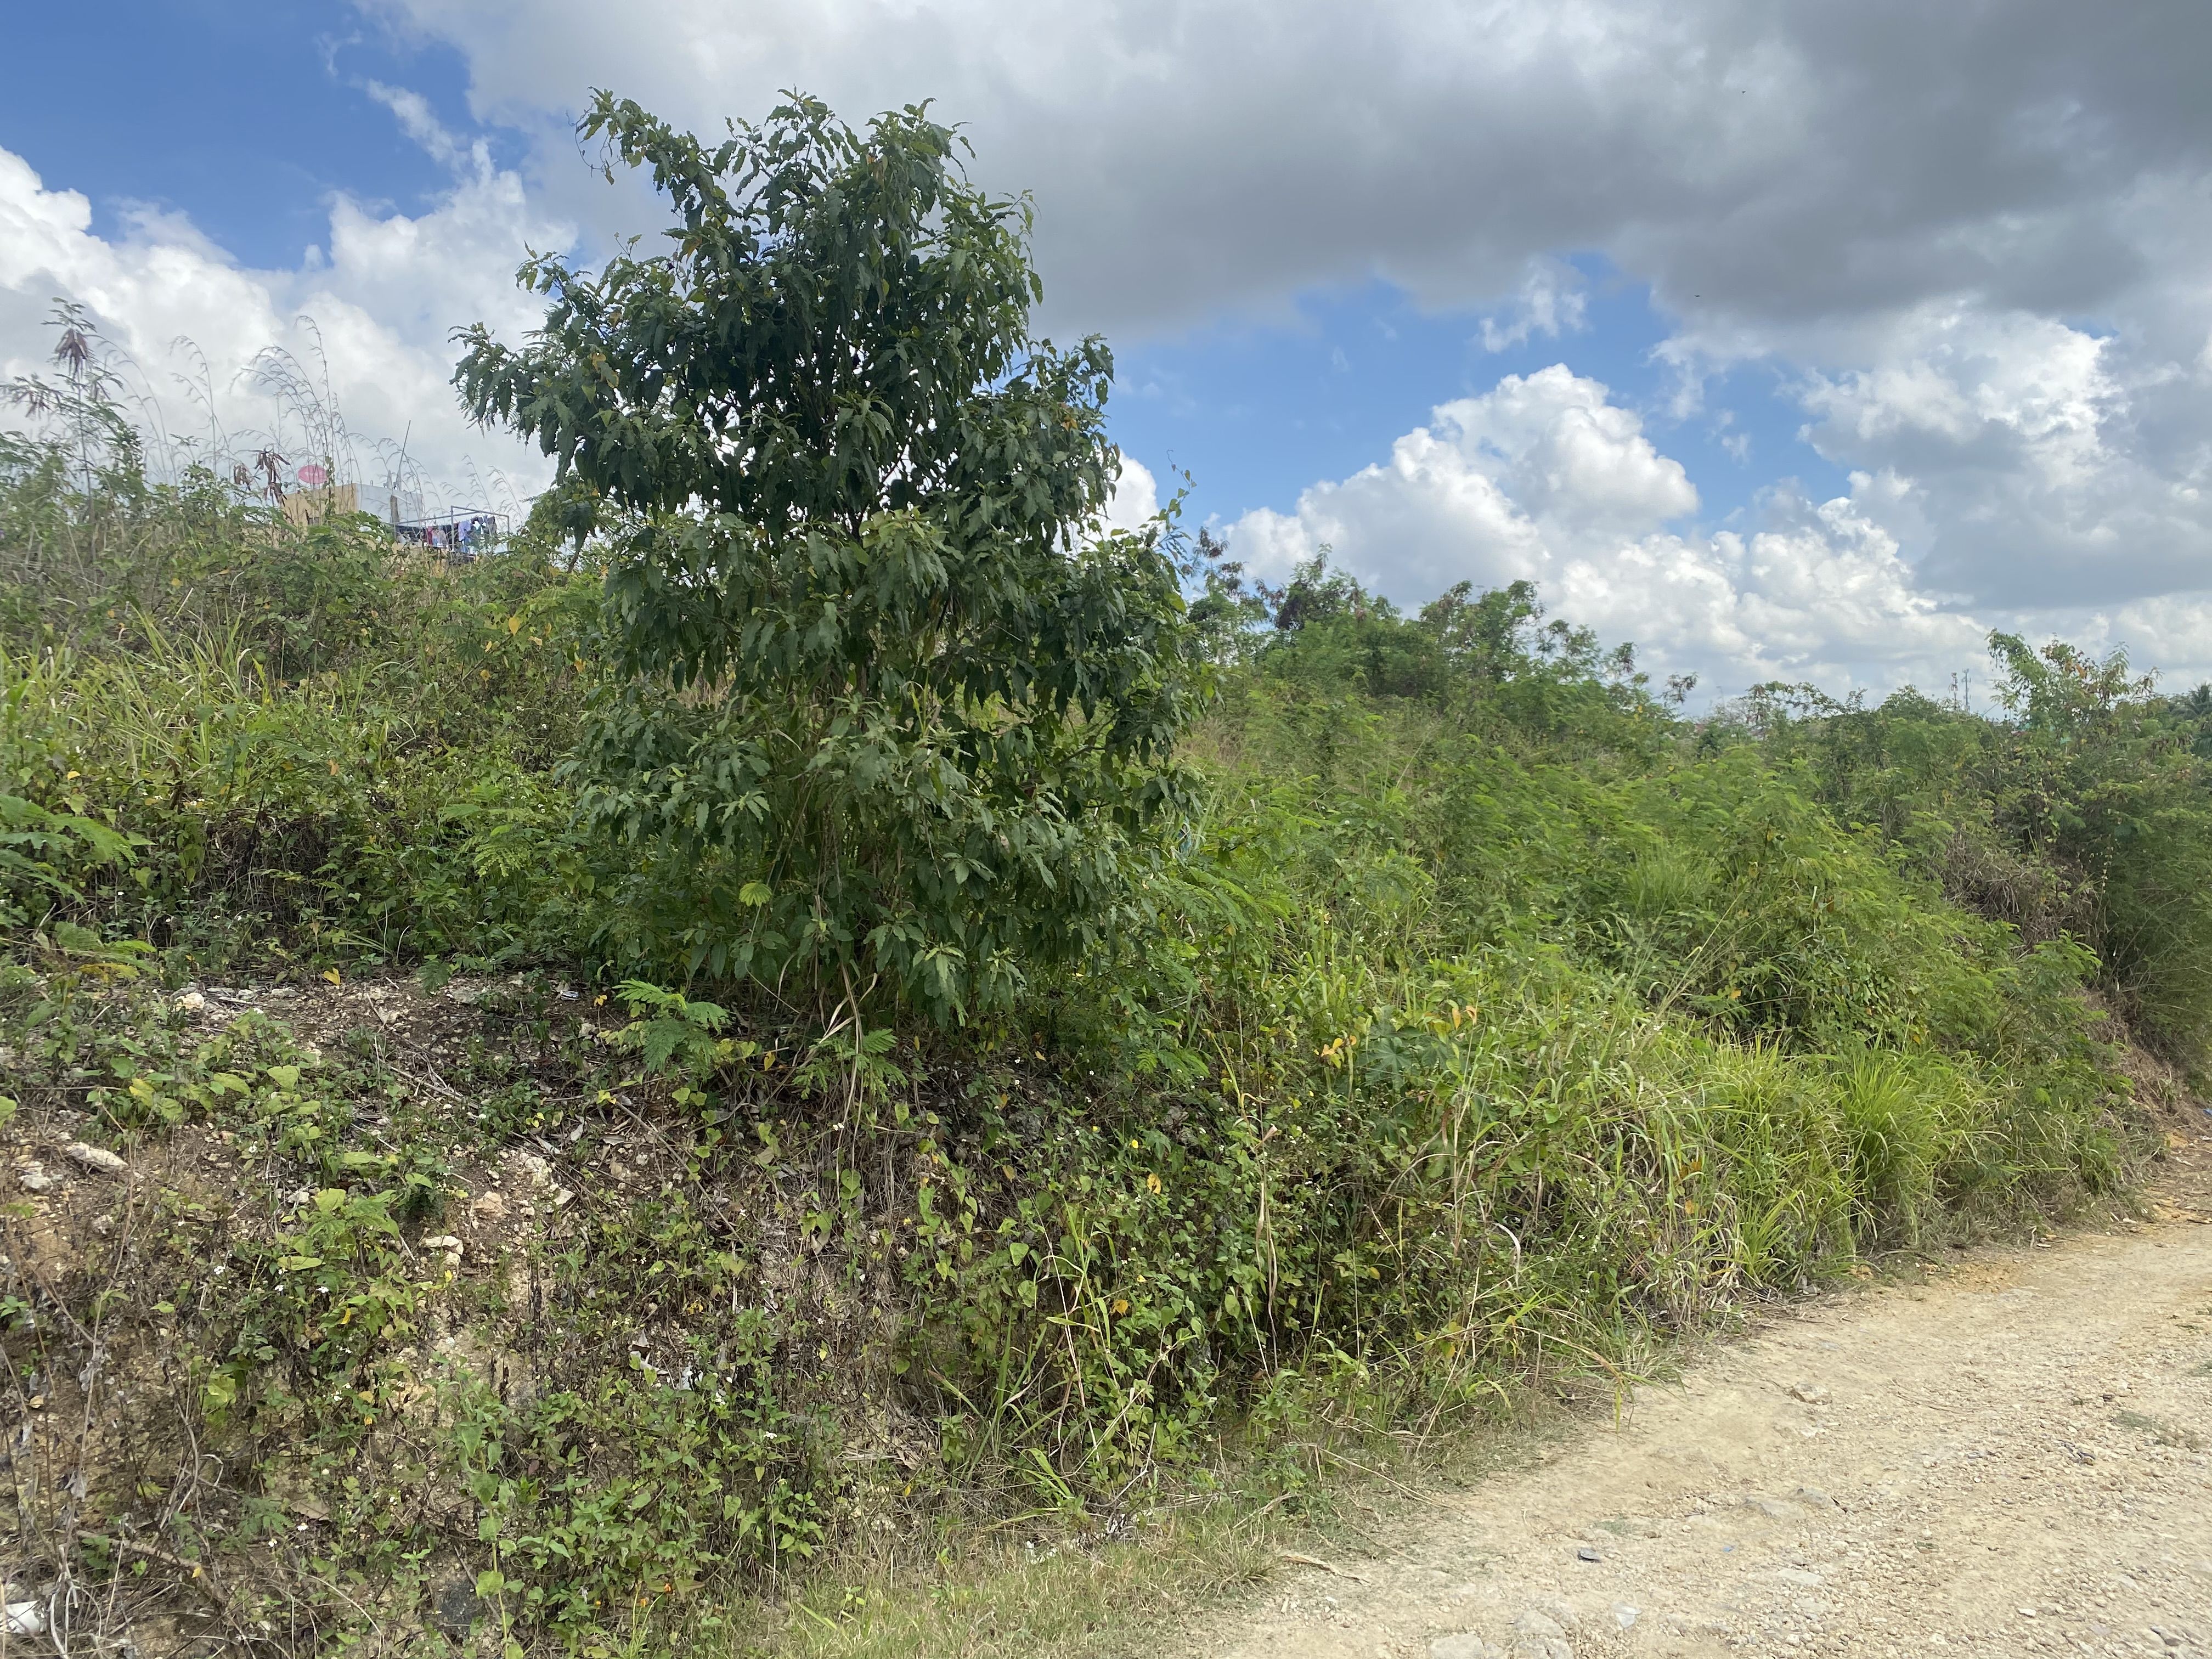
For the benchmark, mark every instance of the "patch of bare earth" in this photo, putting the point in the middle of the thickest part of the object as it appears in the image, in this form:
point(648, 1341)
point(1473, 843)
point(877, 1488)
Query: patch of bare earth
point(97, 1430)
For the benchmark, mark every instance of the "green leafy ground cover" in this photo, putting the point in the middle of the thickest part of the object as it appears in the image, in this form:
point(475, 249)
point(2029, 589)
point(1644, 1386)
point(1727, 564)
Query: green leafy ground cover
point(813, 1015)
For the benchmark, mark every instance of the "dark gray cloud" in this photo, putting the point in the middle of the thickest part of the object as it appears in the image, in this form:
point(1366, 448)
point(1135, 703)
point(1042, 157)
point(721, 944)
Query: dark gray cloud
point(1787, 163)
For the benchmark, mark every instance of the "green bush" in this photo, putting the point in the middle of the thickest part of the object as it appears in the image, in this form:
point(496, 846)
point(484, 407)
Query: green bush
point(891, 709)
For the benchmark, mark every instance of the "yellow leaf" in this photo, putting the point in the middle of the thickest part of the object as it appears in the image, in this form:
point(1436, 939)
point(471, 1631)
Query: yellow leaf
point(1120, 1304)
point(1152, 1183)
point(331, 975)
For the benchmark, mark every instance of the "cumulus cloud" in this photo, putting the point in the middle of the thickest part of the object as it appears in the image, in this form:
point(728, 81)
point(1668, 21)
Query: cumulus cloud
point(1546, 477)
point(1493, 489)
point(365, 319)
point(2044, 464)
point(1136, 496)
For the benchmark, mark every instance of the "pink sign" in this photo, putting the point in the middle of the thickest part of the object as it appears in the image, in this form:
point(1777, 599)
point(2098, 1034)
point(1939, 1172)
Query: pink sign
point(314, 477)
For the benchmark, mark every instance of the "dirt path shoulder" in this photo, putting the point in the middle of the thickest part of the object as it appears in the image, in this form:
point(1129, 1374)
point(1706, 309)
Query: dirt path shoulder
point(2013, 1458)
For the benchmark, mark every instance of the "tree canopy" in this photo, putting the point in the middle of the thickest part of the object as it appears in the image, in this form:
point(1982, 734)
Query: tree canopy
point(891, 704)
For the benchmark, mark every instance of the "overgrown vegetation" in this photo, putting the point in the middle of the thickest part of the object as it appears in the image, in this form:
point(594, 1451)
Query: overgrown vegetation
point(809, 1004)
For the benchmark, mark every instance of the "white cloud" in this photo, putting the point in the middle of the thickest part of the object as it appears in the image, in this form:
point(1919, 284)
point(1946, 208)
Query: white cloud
point(2047, 464)
point(1495, 488)
point(1136, 496)
point(1552, 302)
point(1545, 477)
point(367, 319)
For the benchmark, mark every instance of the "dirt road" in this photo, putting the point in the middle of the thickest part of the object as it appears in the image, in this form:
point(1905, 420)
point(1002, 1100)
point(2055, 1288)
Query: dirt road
point(2013, 1457)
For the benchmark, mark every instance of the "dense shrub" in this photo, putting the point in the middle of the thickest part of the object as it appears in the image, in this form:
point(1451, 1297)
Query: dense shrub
point(891, 708)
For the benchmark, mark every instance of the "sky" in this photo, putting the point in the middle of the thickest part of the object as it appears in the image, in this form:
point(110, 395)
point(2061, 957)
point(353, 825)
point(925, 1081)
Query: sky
point(1790, 339)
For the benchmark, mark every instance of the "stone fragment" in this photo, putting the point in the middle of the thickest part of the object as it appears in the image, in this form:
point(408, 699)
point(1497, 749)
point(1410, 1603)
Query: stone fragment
point(1537, 1635)
point(458, 1608)
point(98, 1158)
point(36, 1179)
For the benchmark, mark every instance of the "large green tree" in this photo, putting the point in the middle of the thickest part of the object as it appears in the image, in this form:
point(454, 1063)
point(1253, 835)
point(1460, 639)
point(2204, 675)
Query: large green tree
point(891, 707)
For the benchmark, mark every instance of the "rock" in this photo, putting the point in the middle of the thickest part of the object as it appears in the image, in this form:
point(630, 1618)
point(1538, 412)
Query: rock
point(1625, 1616)
point(98, 1158)
point(1776, 1509)
point(36, 1179)
point(26, 1618)
point(1537, 1635)
point(193, 1002)
point(103, 1225)
point(458, 1608)
point(1814, 1496)
point(1465, 1645)
point(1588, 1552)
point(1811, 1393)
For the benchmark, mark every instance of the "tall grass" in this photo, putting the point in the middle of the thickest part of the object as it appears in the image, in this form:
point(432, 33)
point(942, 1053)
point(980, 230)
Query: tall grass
point(1487, 1022)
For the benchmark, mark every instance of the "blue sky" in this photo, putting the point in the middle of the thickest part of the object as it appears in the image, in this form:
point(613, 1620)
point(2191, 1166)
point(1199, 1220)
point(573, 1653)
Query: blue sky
point(1803, 341)
point(1254, 411)
point(247, 117)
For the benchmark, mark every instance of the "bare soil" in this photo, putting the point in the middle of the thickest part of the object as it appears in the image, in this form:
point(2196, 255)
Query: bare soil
point(2009, 1455)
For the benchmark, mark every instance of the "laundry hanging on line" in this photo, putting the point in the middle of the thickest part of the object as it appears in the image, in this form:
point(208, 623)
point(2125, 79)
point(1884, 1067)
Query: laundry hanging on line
point(460, 539)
